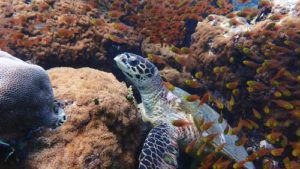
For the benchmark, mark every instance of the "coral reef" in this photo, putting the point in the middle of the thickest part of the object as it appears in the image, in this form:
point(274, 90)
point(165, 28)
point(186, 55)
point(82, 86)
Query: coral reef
point(250, 69)
point(164, 21)
point(63, 32)
point(102, 130)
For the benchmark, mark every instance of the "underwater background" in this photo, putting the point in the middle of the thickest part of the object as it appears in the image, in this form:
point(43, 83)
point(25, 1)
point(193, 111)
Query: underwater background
point(241, 56)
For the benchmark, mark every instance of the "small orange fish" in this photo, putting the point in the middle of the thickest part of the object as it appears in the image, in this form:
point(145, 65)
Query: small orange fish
point(227, 128)
point(284, 104)
point(232, 85)
point(218, 162)
point(277, 151)
point(274, 136)
point(210, 137)
point(120, 27)
point(261, 152)
point(180, 123)
point(156, 59)
point(115, 14)
point(198, 75)
point(192, 98)
point(241, 141)
point(207, 96)
point(220, 147)
point(250, 64)
point(246, 124)
point(185, 50)
point(255, 125)
point(192, 83)
point(256, 113)
point(251, 157)
point(65, 33)
point(190, 146)
point(219, 104)
point(169, 86)
point(210, 156)
point(224, 164)
point(256, 85)
point(296, 103)
point(201, 149)
point(207, 125)
point(239, 165)
point(271, 122)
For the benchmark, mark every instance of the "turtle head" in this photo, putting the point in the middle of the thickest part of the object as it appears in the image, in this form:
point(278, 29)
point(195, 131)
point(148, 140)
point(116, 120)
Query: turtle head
point(140, 71)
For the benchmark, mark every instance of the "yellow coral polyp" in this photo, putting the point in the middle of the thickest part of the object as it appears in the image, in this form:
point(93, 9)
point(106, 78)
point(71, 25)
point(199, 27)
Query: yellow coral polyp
point(284, 104)
point(250, 63)
point(232, 85)
point(273, 137)
point(277, 94)
point(259, 70)
point(271, 123)
point(277, 151)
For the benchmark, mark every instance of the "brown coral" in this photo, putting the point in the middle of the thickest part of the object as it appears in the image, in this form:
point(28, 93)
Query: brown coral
point(101, 130)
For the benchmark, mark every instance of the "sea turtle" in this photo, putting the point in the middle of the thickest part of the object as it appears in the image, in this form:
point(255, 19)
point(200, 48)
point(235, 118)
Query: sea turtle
point(26, 99)
point(164, 108)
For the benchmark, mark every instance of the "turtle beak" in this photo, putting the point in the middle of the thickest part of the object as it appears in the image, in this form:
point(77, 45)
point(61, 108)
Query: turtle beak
point(121, 61)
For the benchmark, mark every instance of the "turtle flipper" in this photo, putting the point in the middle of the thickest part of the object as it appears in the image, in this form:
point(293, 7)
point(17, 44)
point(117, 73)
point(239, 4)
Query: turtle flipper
point(237, 153)
point(160, 150)
point(206, 113)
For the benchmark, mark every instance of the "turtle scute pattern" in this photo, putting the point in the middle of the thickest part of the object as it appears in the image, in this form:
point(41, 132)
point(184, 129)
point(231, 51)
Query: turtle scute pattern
point(160, 149)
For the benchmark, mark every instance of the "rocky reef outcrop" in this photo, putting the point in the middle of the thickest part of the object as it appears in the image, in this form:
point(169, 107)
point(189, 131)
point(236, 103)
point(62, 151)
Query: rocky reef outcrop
point(102, 130)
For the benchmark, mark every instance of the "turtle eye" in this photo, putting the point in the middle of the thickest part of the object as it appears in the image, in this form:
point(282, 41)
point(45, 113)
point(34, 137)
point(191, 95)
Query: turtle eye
point(133, 62)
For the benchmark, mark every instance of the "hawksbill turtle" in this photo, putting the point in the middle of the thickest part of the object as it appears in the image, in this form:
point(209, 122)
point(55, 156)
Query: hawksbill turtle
point(162, 107)
point(26, 99)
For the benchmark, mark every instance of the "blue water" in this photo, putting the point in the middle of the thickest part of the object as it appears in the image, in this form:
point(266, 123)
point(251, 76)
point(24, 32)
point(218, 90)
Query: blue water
point(240, 6)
